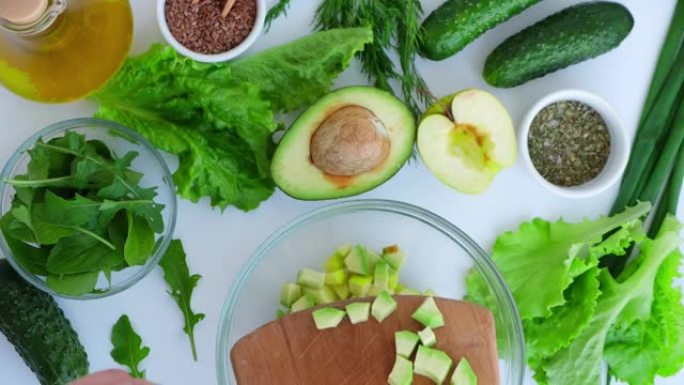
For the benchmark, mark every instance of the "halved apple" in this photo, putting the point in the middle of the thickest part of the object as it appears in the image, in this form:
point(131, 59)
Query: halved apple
point(466, 139)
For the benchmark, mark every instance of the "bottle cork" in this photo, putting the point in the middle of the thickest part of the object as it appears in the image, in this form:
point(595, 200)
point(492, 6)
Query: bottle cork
point(22, 11)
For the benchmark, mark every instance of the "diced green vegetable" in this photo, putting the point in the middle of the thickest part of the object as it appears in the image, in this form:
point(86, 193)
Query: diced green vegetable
point(427, 337)
point(358, 312)
point(403, 290)
point(305, 302)
point(342, 291)
point(336, 261)
point(322, 296)
point(433, 364)
point(464, 374)
point(428, 314)
point(336, 277)
point(381, 276)
point(383, 306)
point(357, 261)
point(405, 342)
point(311, 278)
point(290, 293)
point(402, 372)
point(328, 317)
point(393, 281)
point(359, 285)
point(394, 257)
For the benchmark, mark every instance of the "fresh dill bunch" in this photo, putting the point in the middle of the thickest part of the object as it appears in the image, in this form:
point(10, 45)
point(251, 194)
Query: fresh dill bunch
point(276, 11)
point(396, 29)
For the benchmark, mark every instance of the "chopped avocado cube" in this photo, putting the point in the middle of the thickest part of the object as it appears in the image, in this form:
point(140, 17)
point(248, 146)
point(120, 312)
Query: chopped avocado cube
point(358, 312)
point(383, 306)
point(373, 258)
point(393, 279)
point(433, 364)
point(336, 261)
point(336, 277)
point(427, 337)
point(328, 317)
point(394, 256)
point(359, 285)
point(311, 278)
point(405, 342)
point(403, 290)
point(402, 372)
point(464, 374)
point(428, 314)
point(280, 313)
point(305, 302)
point(381, 275)
point(322, 296)
point(289, 294)
point(341, 291)
point(357, 261)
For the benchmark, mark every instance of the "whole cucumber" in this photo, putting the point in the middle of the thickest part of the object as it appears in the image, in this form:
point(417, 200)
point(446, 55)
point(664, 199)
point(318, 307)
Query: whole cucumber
point(456, 23)
point(36, 326)
point(570, 36)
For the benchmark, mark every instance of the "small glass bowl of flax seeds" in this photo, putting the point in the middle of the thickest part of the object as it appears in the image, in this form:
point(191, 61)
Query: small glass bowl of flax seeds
point(211, 31)
point(574, 144)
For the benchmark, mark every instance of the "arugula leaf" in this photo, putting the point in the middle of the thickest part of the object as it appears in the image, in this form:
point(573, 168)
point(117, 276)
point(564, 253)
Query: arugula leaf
point(73, 284)
point(128, 348)
point(541, 259)
point(219, 119)
point(146, 209)
point(81, 254)
point(57, 218)
point(182, 284)
point(140, 241)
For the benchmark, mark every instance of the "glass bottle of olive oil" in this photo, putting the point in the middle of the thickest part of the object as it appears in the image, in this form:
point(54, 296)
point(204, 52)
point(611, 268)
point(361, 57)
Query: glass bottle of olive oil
point(62, 50)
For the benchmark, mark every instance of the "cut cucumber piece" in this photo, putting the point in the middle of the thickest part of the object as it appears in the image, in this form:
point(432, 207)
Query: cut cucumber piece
point(311, 278)
point(357, 261)
point(381, 275)
point(336, 261)
point(402, 372)
point(405, 342)
point(394, 256)
point(433, 364)
point(280, 313)
point(427, 337)
point(342, 291)
point(358, 312)
point(359, 285)
point(289, 294)
point(322, 296)
point(429, 315)
point(336, 277)
point(393, 279)
point(305, 302)
point(327, 317)
point(464, 374)
point(383, 306)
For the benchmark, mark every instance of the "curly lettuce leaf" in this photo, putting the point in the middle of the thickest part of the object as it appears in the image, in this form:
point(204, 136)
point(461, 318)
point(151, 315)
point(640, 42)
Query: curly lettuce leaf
point(300, 72)
point(540, 260)
point(654, 347)
point(219, 119)
point(580, 362)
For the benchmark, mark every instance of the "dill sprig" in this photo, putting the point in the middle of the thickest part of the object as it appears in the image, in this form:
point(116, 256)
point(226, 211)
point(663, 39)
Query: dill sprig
point(276, 11)
point(396, 29)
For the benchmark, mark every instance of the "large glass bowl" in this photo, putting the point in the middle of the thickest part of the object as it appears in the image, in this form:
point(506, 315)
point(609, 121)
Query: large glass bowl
point(120, 140)
point(439, 256)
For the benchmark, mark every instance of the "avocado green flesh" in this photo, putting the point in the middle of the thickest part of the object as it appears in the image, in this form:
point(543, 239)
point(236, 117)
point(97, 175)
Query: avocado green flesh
point(328, 318)
point(405, 342)
point(427, 337)
point(464, 374)
point(456, 23)
point(383, 306)
point(570, 36)
point(429, 315)
point(433, 364)
point(402, 372)
point(298, 177)
point(358, 312)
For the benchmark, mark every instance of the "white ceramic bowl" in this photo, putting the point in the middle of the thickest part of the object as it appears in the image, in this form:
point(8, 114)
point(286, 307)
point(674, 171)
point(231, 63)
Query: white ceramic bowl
point(619, 149)
point(257, 29)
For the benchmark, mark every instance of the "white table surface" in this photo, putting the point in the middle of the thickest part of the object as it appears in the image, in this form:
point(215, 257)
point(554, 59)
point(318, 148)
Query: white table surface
point(218, 243)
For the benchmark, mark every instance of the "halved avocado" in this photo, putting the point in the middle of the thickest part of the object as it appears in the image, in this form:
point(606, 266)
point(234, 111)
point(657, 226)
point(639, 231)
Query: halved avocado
point(350, 141)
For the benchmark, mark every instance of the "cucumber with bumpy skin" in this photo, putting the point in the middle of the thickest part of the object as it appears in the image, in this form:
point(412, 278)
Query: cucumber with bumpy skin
point(456, 23)
point(39, 331)
point(575, 34)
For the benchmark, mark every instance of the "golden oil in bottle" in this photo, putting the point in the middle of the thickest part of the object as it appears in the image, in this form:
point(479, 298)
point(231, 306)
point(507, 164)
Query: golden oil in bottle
point(62, 50)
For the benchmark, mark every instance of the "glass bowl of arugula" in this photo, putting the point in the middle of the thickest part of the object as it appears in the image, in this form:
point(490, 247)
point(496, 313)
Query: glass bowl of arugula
point(439, 258)
point(88, 208)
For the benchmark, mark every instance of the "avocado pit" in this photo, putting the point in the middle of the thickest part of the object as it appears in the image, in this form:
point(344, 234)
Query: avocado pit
point(350, 142)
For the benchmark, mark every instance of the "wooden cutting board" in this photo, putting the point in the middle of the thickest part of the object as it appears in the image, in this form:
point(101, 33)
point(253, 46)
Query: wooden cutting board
point(291, 351)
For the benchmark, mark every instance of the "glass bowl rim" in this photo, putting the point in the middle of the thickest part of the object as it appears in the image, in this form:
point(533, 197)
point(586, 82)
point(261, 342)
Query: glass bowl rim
point(483, 263)
point(127, 134)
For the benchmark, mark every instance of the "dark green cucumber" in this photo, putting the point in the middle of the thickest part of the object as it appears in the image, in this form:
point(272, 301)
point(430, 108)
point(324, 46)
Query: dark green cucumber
point(36, 326)
point(570, 36)
point(456, 23)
